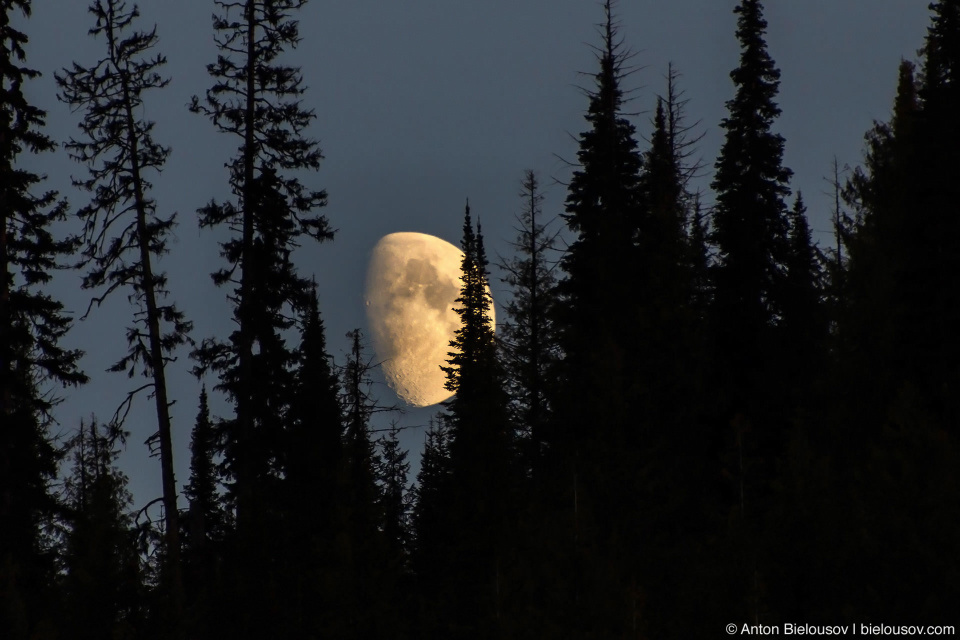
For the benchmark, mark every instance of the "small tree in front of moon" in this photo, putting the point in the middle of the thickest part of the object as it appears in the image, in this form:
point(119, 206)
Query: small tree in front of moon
point(482, 456)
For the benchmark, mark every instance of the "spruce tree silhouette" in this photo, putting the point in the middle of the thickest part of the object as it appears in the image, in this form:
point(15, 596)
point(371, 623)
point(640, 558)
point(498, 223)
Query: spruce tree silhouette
point(594, 426)
point(482, 455)
point(749, 219)
point(528, 339)
point(204, 527)
point(32, 324)
point(311, 493)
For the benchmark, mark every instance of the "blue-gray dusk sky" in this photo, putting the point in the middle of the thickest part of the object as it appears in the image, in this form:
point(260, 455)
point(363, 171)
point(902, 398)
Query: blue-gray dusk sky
point(422, 104)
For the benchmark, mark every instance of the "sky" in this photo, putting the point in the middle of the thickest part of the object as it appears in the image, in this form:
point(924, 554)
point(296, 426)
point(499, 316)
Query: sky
point(425, 103)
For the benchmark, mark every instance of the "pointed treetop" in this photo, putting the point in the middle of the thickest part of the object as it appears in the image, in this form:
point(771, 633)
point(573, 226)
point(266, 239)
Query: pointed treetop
point(757, 78)
point(799, 227)
point(906, 104)
point(798, 206)
point(612, 58)
point(467, 241)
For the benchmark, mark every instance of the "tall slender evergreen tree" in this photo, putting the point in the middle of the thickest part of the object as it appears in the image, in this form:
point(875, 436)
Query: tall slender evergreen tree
point(363, 587)
point(123, 233)
point(603, 211)
point(881, 241)
point(683, 135)
point(482, 453)
point(32, 323)
point(257, 99)
point(749, 219)
point(528, 336)
point(595, 430)
point(750, 231)
point(314, 453)
point(898, 342)
point(662, 271)
point(204, 521)
point(204, 527)
point(311, 492)
point(936, 193)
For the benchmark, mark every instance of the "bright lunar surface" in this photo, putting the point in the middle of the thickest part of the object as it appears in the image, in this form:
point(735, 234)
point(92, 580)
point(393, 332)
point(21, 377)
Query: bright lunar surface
point(413, 282)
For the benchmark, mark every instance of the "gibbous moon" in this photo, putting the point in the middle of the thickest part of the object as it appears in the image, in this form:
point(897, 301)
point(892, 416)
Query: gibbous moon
point(413, 282)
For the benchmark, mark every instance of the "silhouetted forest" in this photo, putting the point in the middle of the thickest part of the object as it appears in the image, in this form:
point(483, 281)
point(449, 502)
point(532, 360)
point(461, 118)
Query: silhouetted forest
point(692, 415)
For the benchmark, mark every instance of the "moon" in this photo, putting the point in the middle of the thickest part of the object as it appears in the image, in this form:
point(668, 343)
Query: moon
point(413, 281)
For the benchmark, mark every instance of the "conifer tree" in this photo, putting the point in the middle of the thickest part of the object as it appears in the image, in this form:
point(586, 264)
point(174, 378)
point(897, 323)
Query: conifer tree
point(433, 534)
point(933, 306)
point(528, 337)
point(594, 434)
point(363, 587)
point(311, 492)
point(665, 461)
point(941, 57)
point(124, 235)
point(662, 273)
point(804, 321)
point(102, 581)
point(603, 211)
point(483, 469)
point(881, 241)
point(897, 331)
point(392, 473)
point(204, 527)
point(835, 264)
point(670, 166)
point(314, 452)
point(358, 406)
point(203, 517)
point(681, 134)
point(750, 232)
point(32, 323)
point(749, 219)
point(257, 99)
point(395, 511)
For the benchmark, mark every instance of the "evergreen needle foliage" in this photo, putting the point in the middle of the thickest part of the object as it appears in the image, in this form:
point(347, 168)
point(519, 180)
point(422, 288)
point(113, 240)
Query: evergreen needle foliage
point(257, 99)
point(32, 324)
